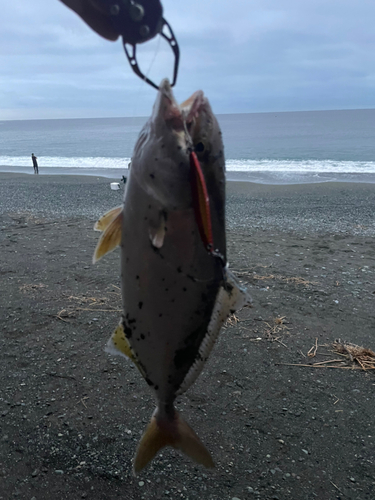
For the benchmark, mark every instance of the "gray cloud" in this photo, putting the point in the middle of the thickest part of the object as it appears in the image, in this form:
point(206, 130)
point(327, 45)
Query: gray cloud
point(247, 55)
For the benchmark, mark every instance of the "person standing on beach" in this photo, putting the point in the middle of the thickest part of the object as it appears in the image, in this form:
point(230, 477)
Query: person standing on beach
point(35, 163)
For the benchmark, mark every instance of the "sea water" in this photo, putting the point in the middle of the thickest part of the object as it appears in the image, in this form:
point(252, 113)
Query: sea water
point(272, 148)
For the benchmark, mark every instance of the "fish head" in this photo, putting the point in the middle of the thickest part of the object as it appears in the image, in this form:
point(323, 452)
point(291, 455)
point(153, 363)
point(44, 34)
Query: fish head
point(161, 155)
point(161, 158)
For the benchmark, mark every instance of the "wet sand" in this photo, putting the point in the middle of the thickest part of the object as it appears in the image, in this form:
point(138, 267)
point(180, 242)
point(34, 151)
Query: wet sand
point(71, 416)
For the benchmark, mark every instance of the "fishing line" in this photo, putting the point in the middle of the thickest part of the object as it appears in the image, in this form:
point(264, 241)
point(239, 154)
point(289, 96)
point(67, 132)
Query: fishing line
point(147, 73)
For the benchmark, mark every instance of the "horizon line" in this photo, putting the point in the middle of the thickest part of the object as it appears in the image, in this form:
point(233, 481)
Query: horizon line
point(216, 114)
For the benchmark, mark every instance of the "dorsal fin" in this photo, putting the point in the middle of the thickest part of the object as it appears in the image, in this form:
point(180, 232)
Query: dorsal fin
point(110, 239)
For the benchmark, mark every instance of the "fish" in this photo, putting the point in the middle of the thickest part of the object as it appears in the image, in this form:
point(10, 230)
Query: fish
point(177, 289)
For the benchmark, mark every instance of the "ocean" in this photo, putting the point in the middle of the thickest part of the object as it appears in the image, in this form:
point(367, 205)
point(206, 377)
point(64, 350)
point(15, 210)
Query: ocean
point(270, 148)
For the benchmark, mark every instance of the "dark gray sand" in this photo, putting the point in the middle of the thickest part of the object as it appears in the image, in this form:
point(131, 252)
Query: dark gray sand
point(71, 415)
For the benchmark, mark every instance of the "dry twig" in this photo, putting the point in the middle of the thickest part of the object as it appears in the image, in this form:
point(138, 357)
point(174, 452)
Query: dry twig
point(312, 351)
point(354, 353)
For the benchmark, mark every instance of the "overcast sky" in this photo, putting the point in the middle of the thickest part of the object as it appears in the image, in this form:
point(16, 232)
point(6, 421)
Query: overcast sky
point(247, 56)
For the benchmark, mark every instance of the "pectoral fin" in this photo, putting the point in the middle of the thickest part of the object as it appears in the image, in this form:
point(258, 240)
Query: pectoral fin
point(107, 218)
point(157, 234)
point(111, 237)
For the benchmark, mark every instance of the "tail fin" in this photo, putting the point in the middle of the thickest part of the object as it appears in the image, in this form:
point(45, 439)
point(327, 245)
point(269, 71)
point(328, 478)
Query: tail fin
point(173, 432)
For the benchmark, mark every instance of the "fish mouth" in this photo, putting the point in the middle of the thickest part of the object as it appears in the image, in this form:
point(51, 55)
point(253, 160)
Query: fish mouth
point(178, 117)
point(191, 107)
point(166, 109)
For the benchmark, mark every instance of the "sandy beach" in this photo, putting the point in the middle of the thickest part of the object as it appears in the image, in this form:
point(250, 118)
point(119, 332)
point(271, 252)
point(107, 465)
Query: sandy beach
point(71, 415)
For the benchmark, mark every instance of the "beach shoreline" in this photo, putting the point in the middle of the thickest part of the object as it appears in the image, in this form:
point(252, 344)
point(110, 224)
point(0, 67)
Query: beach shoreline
point(256, 177)
point(71, 415)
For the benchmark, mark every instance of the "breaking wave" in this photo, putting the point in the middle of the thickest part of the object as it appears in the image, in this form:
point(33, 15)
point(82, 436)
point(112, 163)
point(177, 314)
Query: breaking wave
point(266, 165)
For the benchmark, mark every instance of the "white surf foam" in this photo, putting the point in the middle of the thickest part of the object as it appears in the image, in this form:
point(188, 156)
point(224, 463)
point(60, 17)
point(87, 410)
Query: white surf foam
point(232, 165)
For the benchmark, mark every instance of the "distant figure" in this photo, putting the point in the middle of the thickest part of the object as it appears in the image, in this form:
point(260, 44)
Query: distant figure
point(123, 179)
point(35, 163)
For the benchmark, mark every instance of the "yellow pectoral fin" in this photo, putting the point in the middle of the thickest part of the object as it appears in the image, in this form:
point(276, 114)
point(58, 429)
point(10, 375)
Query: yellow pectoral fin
point(107, 218)
point(110, 239)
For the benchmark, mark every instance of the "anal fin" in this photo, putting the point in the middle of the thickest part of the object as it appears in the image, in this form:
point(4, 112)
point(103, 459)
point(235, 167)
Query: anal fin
point(230, 297)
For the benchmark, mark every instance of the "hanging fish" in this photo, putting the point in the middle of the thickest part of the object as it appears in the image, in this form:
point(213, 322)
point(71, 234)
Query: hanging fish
point(177, 290)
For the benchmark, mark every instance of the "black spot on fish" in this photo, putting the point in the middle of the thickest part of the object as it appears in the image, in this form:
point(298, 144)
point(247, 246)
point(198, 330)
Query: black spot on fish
point(130, 321)
point(142, 336)
point(152, 176)
point(184, 289)
point(127, 260)
point(137, 277)
point(149, 381)
point(156, 387)
point(163, 279)
point(140, 304)
point(146, 218)
point(156, 159)
point(173, 300)
point(163, 146)
point(149, 206)
point(166, 289)
point(160, 315)
point(179, 269)
point(128, 331)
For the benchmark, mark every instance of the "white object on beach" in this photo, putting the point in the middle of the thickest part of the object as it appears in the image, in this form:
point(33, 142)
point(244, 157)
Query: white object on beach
point(115, 186)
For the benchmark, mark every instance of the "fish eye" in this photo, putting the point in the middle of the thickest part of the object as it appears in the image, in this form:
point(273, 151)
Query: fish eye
point(199, 148)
